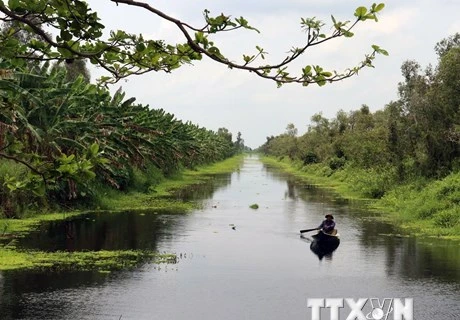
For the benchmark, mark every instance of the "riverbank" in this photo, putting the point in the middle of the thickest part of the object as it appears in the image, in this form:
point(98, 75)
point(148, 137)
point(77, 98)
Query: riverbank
point(159, 198)
point(420, 208)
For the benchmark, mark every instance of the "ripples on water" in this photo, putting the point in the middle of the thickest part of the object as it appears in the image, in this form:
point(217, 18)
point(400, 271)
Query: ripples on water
point(261, 269)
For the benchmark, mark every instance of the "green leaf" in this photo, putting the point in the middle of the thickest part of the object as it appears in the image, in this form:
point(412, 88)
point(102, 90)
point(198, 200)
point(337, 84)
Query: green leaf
point(379, 7)
point(140, 47)
point(379, 50)
point(90, 175)
point(39, 190)
point(65, 35)
point(333, 20)
point(347, 33)
point(321, 81)
point(14, 4)
point(64, 53)
point(215, 51)
point(94, 148)
point(360, 12)
point(306, 71)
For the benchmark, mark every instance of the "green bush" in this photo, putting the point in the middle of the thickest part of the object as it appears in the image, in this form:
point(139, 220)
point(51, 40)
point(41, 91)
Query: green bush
point(336, 163)
point(426, 209)
point(448, 218)
point(449, 188)
point(11, 168)
point(372, 183)
point(317, 169)
point(13, 204)
point(436, 200)
point(309, 158)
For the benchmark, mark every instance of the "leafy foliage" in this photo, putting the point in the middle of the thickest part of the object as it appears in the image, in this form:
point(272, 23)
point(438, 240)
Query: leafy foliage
point(68, 135)
point(416, 137)
point(80, 34)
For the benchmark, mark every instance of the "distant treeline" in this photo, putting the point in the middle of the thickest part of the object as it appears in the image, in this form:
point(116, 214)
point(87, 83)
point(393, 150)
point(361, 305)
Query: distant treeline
point(415, 137)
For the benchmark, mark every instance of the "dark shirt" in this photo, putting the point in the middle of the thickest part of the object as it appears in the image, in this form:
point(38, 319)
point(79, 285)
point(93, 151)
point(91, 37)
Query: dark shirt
point(327, 226)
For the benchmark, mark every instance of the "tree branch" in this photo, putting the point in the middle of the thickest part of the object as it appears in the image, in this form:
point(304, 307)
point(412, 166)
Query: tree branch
point(28, 165)
point(126, 54)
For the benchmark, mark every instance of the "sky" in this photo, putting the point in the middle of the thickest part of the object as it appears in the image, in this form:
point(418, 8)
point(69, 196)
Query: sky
point(212, 96)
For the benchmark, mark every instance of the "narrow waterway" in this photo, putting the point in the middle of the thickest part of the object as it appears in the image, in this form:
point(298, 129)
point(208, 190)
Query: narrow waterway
point(236, 262)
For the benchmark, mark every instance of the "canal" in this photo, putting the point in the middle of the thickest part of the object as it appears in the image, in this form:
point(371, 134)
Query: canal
point(235, 262)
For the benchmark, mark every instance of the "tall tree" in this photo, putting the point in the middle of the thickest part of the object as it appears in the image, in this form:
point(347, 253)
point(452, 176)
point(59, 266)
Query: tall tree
point(443, 46)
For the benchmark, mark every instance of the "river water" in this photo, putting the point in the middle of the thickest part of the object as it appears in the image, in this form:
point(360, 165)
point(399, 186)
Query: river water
point(235, 262)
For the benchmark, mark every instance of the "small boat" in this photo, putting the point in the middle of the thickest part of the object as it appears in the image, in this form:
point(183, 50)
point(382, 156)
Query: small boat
point(324, 243)
point(326, 237)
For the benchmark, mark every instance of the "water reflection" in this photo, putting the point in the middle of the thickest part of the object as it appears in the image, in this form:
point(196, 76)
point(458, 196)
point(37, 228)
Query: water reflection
point(260, 270)
point(18, 295)
point(321, 250)
point(102, 231)
point(407, 257)
point(205, 190)
point(418, 260)
point(121, 230)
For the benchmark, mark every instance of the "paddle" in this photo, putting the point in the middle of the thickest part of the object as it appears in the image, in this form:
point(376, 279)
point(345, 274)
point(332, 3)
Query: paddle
point(307, 230)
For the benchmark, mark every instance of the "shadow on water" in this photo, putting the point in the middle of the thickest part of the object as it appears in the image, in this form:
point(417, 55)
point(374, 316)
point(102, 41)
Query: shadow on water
point(118, 230)
point(257, 270)
point(321, 249)
point(409, 257)
point(102, 231)
point(204, 190)
point(91, 232)
point(18, 291)
point(304, 191)
point(420, 260)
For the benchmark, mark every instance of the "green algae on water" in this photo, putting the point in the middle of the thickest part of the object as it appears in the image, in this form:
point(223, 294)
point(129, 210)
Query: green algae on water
point(80, 261)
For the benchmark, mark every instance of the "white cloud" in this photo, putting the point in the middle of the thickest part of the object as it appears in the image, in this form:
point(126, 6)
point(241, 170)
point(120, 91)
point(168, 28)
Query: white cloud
point(454, 27)
point(394, 21)
point(212, 96)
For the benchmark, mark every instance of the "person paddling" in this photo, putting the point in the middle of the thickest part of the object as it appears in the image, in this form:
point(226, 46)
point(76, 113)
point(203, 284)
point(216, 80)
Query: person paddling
point(328, 225)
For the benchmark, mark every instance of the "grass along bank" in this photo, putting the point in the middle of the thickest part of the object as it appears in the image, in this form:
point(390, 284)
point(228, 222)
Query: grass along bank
point(429, 208)
point(159, 197)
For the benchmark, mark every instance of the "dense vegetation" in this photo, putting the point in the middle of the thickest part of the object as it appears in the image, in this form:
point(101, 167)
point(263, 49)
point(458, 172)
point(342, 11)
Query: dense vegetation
point(407, 155)
point(62, 140)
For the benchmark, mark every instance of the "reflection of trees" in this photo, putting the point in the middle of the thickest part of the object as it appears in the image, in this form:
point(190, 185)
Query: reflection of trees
point(5, 300)
point(16, 284)
point(205, 190)
point(94, 231)
point(291, 190)
point(410, 257)
point(415, 260)
point(117, 231)
point(305, 191)
point(406, 257)
point(106, 231)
